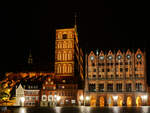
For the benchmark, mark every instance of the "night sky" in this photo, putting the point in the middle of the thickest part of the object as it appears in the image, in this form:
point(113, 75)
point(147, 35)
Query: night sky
point(103, 25)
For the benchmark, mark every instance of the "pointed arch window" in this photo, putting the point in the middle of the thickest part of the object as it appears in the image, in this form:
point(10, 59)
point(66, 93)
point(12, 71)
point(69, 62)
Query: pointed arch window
point(59, 68)
point(65, 44)
point(65, 54)
point(69, 55)
point(70, 44)
point(59, 35)
point(70, 68)
point(57, 45)
point(64, 68)
point(60, 45)
point(59, 56)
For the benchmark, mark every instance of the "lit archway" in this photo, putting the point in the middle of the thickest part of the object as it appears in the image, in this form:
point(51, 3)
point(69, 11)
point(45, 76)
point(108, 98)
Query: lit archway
point(110, 101)
point(120, 101)
point(138, 101)
point(93, 102)
point(102, 101)
point(129, 101)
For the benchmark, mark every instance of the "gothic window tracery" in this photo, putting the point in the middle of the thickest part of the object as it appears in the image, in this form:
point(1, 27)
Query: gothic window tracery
point(69, 55)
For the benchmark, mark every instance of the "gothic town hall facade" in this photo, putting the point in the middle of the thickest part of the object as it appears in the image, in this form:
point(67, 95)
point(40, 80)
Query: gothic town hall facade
point(116, 78)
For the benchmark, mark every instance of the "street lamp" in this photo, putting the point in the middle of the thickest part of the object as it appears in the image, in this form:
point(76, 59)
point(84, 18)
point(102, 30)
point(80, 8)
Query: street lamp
point(58, 98)
point(81, 99)
point(115, 97)
point(87, 98)
point(55, 96)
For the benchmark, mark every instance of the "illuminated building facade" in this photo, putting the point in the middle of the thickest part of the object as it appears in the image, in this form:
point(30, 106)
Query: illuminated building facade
point(48, 92)
point(27, 95)
point(68, 55)
point(116, 78)
point(67, 91)
point(68, 65)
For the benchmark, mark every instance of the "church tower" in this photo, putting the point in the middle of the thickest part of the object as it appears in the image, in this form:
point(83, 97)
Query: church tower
point(30, 59)
point(68, 55)
point(66, 40)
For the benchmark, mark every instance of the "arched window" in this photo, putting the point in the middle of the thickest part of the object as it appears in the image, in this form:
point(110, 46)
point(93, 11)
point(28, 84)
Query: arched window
point(59, 68)
point(69, 44)
point(58, 45)
point(65, 55)
point(64, 68)
point(69, 68)
point(69, 55)
point(65, 44)
point(59, 35)
point(59, 56)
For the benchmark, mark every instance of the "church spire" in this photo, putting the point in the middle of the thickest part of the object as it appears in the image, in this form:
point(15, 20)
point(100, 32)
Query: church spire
point(30, 59)
point(75, 23)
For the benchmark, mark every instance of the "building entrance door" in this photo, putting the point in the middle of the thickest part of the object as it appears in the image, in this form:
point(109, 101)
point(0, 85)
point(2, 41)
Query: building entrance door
point(93, 103)
point(110, 101)
point(102, 101)
point(138, 101)
point(129, 101)
point(120, 101)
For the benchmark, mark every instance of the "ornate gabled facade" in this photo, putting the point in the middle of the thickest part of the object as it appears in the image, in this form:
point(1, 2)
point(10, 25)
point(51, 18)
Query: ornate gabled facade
point(48, 92)
point(19, 96)
point(27, 95)
point(116, 78)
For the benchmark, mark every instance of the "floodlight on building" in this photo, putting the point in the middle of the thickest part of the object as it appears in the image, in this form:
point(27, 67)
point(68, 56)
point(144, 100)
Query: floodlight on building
point(58, 98)
point(22, 99)
point(81, 97)
point(55, 96)
point(144, 97)
point(115, 98)
point(87, 98)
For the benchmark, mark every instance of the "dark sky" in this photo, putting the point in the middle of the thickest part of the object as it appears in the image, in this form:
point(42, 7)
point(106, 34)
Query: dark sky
point(100, 25)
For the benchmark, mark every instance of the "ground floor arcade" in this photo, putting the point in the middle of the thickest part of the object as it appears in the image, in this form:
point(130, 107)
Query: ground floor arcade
point(115, 99)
